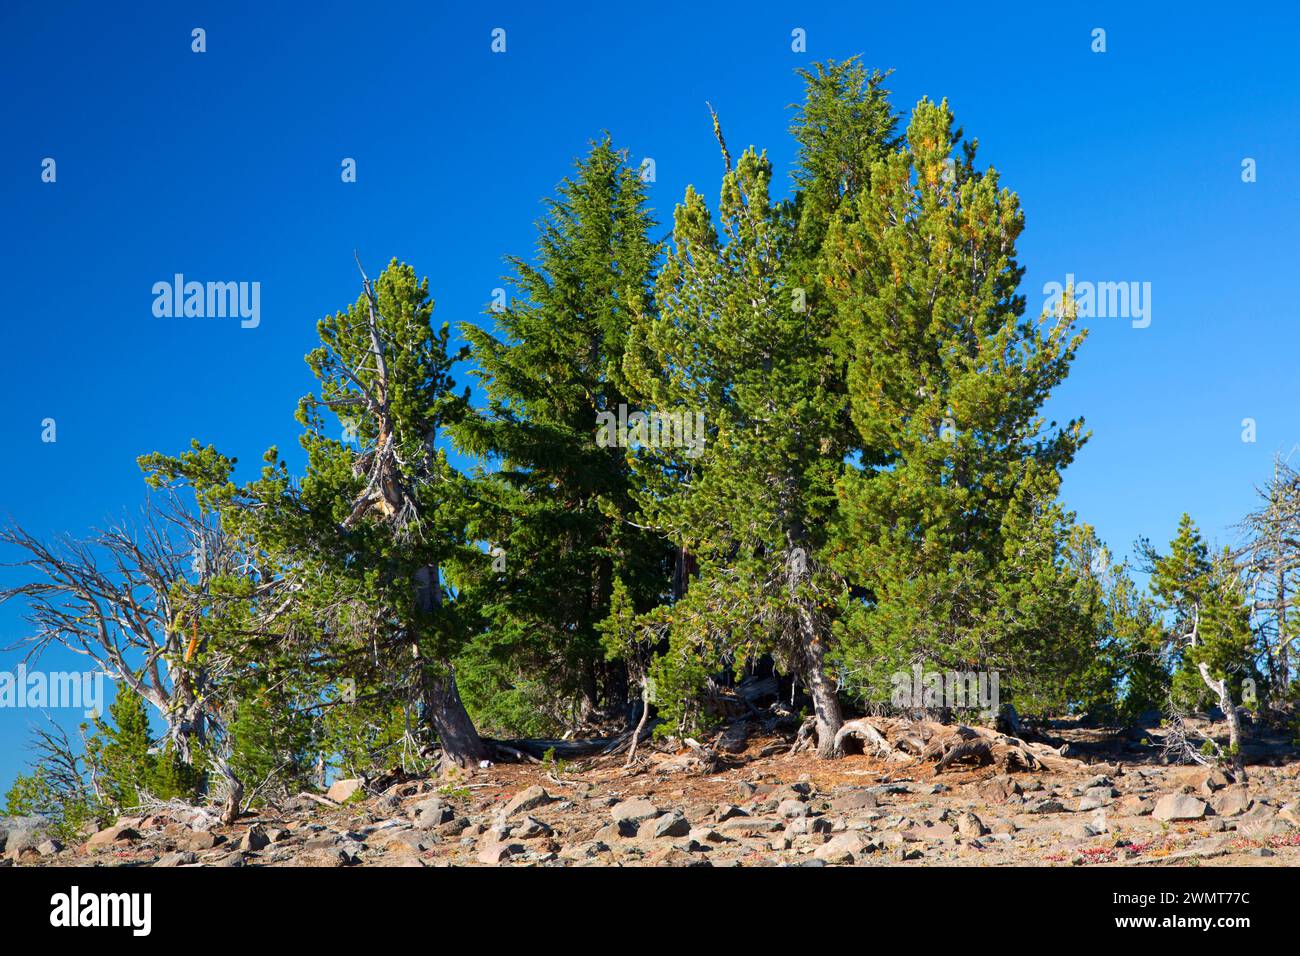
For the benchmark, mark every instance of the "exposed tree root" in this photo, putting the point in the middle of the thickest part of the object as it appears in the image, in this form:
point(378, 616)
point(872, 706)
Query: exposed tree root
point(946, 745)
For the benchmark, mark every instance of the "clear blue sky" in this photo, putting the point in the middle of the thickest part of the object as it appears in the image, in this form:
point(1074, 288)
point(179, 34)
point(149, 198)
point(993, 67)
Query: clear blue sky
point(225, 166)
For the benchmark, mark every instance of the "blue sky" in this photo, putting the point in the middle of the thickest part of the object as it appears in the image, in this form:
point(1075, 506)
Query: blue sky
point(225, 166)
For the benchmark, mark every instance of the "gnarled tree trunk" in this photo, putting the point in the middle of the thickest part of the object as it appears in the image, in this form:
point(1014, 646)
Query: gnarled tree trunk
point(461, 744)
point(443, 708)
point(826, 701)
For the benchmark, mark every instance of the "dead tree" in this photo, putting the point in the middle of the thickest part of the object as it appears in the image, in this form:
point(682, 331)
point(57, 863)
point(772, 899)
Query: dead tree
point(129, 598)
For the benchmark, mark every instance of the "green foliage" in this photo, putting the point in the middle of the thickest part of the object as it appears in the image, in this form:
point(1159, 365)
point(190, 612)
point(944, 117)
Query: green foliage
point(948, 525)
point(553, 501)
point(71, 811)
point(128, 764)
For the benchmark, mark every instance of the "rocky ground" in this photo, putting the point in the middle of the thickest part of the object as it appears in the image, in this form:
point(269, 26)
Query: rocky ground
point(763, 808)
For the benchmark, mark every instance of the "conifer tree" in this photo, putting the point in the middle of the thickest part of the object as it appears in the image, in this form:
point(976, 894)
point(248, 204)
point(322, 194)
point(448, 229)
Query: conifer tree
point(556, 507)
point(1207, 623)
point(364, 551)
point(732, 350)
point(948, 528)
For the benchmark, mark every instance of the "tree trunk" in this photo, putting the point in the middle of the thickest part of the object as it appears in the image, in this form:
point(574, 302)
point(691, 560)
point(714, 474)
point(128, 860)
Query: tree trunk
point(461, 744)
point(443, 708)
point(826, 702)
point(1220, 687)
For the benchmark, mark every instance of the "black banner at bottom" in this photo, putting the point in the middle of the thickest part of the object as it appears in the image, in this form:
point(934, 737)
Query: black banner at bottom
point(144, 906)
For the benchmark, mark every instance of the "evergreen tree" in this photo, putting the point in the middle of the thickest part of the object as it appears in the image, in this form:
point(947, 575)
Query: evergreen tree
point(365, 552)
point(556, 509)
point(1207, 623)
point(733, 353)
point(948, 527)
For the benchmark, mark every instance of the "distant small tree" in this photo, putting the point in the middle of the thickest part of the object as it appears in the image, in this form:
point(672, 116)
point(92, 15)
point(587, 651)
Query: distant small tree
point(1207, 621)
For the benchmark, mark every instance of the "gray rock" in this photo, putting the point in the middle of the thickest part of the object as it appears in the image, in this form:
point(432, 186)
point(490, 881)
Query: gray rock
point(1045, 806)
point(432, 813)
point(530, 828)
point(255, 839)
point(842, 848)
point(634, 811)
point(22, 833)
point(525, 800)
point(496, 853)
point(1179, 806)
point(183, 858)
point(854, 800)
point(1232, 801)
point(114, 834)
point(792, 808)
point(672, 824)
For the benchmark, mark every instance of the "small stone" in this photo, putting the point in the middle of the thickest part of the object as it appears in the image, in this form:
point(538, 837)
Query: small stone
point(971, 826)
point(183, 858)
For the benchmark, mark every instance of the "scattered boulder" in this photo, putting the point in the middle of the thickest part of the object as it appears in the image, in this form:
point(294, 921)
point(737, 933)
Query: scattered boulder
point(854, 800)
point(841, 849)
point(999, 789)
point(22, 833)
point(341, 791)
point(525, 800)
point(1047, 805)
point(255, 839)
point(432, 813)
point(1179, 806)
point(115, 834)
point(496, 853)
point(530, 828)
point(1232, 801)
point(672, 824)
point(1136, 806)
point(792, 808)
point(635, 810)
